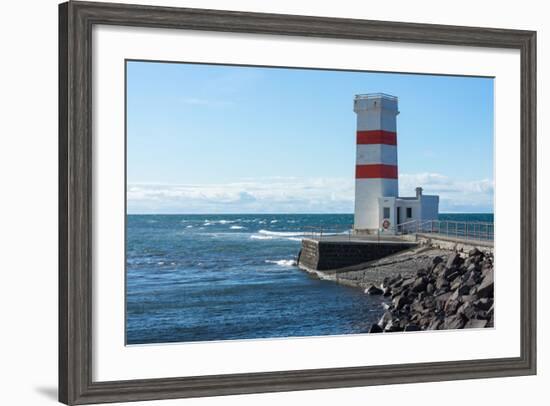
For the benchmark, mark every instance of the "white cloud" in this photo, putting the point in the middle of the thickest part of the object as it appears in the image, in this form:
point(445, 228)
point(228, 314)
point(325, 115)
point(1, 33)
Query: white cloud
point(298, 195)
point(268, 195)
point(454, 195)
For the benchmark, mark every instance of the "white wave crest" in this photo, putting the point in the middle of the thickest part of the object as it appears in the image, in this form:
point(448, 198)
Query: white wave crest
point(282, 262)
point(281, 233)
point(236, 227)
point(261, 237)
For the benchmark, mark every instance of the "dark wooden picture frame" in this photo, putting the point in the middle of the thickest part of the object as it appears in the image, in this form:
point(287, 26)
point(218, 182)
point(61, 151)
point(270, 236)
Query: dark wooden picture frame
point(76, 20)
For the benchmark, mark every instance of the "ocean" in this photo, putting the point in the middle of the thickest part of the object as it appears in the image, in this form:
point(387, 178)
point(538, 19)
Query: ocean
point(233, 277)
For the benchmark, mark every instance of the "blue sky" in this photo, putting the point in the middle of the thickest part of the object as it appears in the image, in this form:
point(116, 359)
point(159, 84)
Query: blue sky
point(228, 139)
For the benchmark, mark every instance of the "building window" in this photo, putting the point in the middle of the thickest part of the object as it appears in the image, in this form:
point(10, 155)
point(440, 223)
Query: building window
point(409, 212)
point(386, 212)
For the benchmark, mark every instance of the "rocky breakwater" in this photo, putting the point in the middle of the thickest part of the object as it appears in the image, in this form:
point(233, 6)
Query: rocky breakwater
point(452, 293)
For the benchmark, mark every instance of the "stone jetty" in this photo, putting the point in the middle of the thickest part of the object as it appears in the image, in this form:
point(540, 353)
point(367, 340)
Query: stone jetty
point(454, 291)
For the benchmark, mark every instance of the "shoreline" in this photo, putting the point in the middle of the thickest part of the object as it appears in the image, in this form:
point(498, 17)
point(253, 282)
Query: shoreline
point(427, 288)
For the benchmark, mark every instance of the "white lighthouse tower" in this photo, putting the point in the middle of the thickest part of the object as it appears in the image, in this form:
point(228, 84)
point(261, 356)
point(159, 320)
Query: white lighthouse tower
point(377, 203)
point(376, 159)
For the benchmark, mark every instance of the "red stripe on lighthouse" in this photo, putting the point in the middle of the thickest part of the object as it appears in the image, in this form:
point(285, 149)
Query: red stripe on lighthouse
point(376, 171)
point(376, 137)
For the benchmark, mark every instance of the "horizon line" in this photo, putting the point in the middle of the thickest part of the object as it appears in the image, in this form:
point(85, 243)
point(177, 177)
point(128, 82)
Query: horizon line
point(280, 213)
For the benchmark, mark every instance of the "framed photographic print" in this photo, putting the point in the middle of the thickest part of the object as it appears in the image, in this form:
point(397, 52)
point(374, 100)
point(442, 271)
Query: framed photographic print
point(258, 202)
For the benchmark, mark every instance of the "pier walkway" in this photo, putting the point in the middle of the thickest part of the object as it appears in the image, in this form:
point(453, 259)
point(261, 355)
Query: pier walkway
point(335, 247)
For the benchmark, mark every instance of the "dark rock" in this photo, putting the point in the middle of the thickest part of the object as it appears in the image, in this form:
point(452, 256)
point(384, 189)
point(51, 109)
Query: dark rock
point(468, 261)
point(468, 310)
point(451, 306)
point(441, 282)
point(429, 303)
point(397, 281)
point(407, 283)
point(474, 252)
point(422, 272)
point(486, 288)
point(487, 272)
point(452, 276)
point(456, 284)
point(455, 295)
point(373, 290)
point(470, 279)
point(412, 327)
point(375, 328)
point(442, 299)
point(454, 260)
point(437, 269)
point(387, 291)
point(385, 319)
point(483, 304)
point(463, 289)
point(437, 260)
point(419, 284)
point(417, 307)
point(475, 323)
point(430, 288)
point(393, 326)
point(435, 324)
point(454, 322)
point(400, 301)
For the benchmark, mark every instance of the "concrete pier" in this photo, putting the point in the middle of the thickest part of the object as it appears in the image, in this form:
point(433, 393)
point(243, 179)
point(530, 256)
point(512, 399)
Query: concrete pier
point(336, 253)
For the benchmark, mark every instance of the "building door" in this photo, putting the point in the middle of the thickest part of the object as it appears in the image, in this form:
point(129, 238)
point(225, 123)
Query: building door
point(398, 215)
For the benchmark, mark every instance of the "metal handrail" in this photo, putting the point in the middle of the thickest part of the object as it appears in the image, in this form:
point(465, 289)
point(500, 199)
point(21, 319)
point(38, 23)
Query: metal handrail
point(328, 230)
point(469, 230)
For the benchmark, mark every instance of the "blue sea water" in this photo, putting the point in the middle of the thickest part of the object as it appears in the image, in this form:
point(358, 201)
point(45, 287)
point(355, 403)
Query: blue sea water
point(226, 277)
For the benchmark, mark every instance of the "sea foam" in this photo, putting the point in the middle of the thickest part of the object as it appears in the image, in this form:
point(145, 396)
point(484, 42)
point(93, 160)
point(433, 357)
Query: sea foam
point(281, 233)
point(282, 262)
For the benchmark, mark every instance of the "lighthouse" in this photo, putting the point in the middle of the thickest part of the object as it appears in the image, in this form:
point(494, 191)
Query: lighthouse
point(376, 156)
point(378, 206)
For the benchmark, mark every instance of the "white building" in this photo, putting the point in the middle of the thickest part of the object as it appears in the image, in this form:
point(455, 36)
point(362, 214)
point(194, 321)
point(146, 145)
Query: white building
point(377, 202)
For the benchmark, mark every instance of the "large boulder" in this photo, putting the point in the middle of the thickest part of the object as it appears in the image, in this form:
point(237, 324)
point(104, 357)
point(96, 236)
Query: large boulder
point(475, 252)
point(476, 323)
point(400, 301)
point(373, 290)
point(486, 288)
point(435, 324)
point(454, 260)
point(385, 319)
point(451, 306)
point(468, 310)
point(437, 260)
point(411, 327)
point(483, 304)
point(375, 328)
point(454, 322)
point(430, 288)
point(441, 282)
point(419, 284)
